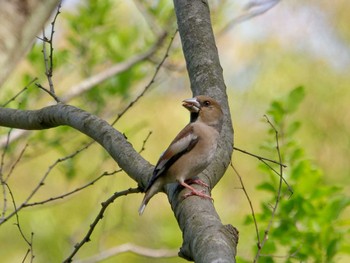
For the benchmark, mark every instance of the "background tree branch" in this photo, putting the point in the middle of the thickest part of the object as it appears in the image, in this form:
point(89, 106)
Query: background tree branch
point(16, 35)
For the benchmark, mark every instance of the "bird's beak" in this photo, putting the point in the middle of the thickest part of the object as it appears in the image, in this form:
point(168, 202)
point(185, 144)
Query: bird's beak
point(192, 105)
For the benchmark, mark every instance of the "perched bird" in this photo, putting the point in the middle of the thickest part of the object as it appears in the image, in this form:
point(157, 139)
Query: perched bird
point(191, 151)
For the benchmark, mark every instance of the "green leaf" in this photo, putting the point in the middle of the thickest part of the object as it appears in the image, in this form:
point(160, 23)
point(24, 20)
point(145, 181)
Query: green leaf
point(276, 111)
point(266, 186)
point(294, 98)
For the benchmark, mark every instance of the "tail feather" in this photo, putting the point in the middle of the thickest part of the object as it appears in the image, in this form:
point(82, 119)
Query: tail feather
point(142, 208)
point(148, 195)
point(144, 202)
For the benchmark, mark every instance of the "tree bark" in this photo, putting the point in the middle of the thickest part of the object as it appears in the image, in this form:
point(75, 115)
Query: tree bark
point(112, 140)
point(205, 238)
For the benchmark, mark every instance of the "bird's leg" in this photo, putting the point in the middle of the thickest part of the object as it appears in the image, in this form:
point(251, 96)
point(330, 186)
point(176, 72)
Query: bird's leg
point(196, 181)
point(195, 192)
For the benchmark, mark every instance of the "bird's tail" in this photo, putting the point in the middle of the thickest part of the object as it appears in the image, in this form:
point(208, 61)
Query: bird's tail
point(148, 195)
point(142, 207)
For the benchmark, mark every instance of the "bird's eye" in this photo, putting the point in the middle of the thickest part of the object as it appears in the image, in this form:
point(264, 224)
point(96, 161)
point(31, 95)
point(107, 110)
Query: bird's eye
point(206, 103)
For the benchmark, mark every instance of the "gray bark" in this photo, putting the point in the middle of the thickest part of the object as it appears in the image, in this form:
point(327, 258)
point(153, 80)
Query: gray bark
point(205, 238)
point(112, 140)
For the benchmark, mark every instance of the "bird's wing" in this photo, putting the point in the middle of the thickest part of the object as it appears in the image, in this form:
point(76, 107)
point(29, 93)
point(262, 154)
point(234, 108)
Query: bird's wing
point(183, 143)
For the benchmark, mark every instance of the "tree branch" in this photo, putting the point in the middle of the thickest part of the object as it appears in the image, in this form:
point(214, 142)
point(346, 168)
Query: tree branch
point(61, 114)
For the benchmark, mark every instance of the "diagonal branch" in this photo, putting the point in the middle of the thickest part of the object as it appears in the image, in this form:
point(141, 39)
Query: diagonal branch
point(99, 217)
point(116, 69)
point(92, 81)
point(98, 129)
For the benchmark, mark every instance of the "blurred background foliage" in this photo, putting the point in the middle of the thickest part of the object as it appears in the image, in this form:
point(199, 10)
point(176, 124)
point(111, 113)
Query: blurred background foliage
point(295, 44)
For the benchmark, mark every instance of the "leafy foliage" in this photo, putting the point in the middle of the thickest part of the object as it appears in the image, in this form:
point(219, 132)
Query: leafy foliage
point(307, 225)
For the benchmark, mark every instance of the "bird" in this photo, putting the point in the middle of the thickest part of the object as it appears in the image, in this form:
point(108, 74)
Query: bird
point(192, 150)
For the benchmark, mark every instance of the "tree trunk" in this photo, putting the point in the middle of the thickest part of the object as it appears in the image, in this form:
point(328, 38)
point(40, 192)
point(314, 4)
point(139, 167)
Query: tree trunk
point(205, 239)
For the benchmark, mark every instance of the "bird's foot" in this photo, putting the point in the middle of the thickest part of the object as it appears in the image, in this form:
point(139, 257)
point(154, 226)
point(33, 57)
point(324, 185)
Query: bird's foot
point(198, 193)
point(195, 192)
point(196, 181)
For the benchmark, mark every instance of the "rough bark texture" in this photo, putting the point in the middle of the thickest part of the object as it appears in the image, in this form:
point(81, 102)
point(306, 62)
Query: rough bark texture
point(205, 238)
point(21, 21)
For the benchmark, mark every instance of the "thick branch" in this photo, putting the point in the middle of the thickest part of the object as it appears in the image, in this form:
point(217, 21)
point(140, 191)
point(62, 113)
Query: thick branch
point(206, 239)
point(61, 114)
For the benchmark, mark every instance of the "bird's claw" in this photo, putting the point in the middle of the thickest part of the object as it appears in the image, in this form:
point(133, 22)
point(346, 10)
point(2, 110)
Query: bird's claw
point(196, 181)
point(198, 193)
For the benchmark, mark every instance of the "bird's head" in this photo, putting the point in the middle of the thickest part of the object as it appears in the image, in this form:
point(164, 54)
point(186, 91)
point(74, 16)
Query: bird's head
point(205, 109)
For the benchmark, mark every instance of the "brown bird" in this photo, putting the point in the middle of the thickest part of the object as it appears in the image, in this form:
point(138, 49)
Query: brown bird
point(191, 151)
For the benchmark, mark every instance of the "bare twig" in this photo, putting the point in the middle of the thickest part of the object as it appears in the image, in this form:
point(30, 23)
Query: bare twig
point(278, 197)
point(145, 141)
point(265, 161)
point(13, 166)
point(53, 95)
point(99, 217)
point(150, 82)
point(48, 59)
point(290, 189)
point(249, 201)
point(73, 191)
point(89, 83)
point(19, 93)
point(29, 242)
point(259, 157)
point(138, 250)
point(2, 177)
point(39, 185)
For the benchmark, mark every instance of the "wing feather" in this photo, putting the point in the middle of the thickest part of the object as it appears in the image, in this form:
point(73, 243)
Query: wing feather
point(184, 142)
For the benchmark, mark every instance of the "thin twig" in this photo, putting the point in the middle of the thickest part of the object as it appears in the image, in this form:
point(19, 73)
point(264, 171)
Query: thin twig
point(53, 23)
point(19, 93)
point(278, 197)
point(2, 177)
point(29, 242)
point(53, 95)
point(48, 59)
point(25, 256)
point(13, 166)
point(73, 191)
point(264, 161)
point(39, 185)
point(145, 141)
point(99, 217)
point(249, 201)
point(98, 78)
point(259, 157)
point(151, 81)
